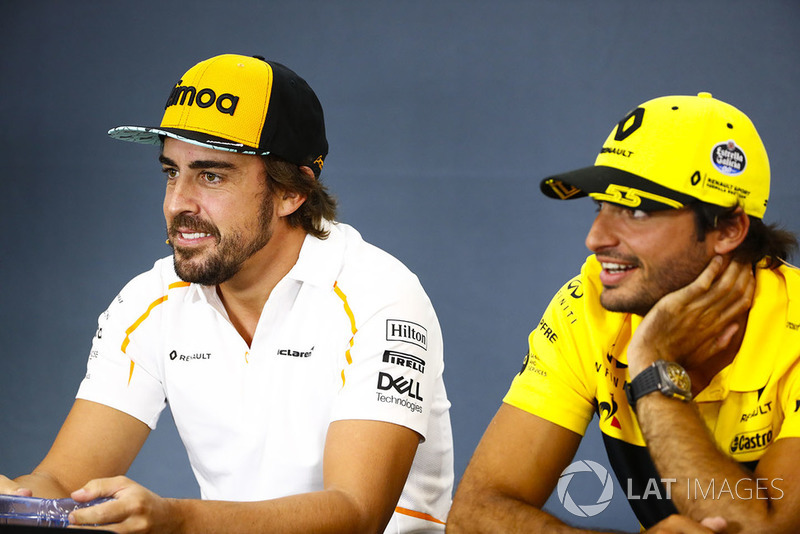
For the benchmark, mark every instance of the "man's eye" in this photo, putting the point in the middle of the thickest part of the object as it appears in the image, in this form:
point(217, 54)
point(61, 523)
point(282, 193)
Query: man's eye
point(211, 177)
point(639, 214)
point(171, 173)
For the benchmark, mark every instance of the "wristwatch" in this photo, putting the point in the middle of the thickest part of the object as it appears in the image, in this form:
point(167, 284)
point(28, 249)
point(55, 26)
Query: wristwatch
point(669, 378)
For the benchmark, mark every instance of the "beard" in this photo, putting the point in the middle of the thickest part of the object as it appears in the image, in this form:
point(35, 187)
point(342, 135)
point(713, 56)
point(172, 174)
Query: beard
point(659, 281)
point(230, 253)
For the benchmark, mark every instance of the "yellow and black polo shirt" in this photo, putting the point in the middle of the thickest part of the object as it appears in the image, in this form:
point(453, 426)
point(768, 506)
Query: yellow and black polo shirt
point(577, 366)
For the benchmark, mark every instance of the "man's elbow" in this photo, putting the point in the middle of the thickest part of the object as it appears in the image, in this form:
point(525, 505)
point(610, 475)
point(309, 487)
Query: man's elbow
point(464, 512)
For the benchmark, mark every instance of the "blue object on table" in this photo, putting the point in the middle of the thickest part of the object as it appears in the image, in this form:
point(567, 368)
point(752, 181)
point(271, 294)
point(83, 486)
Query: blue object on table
point(17, 510)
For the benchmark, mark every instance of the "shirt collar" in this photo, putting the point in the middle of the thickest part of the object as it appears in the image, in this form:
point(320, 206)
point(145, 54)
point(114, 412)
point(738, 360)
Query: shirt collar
point(769, 344)
point(320, 260)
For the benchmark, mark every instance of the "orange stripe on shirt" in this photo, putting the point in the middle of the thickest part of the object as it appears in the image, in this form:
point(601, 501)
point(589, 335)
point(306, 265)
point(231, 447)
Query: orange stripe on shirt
point(141, 319)
point(418, 515)
point(353, 328)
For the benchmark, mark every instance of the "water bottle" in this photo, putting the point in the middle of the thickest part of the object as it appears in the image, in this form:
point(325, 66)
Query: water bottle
point(17, 510)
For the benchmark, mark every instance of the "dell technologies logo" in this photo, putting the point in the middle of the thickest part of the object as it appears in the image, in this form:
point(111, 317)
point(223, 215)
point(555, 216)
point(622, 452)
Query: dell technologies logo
point(403, 385)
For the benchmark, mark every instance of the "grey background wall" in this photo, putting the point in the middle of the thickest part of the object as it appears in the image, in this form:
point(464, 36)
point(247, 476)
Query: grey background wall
point(442, 117)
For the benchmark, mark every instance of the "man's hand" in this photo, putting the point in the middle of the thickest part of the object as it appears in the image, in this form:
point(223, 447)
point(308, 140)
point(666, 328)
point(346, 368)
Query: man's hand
point(680, 524)
point(134, 508)
point(9, 487)
point(696, 322)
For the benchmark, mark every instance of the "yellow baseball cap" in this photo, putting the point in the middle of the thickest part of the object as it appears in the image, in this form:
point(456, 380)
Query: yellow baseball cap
point(241, 104)
point(672, 151)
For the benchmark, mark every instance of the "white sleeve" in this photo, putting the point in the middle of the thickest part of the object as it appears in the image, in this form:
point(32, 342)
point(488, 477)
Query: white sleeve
point(395, 364)
point(121, 372)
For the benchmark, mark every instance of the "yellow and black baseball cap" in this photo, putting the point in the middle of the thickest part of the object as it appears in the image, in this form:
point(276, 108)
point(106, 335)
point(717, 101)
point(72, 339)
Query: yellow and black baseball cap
point(672, 151)
point(241, 104)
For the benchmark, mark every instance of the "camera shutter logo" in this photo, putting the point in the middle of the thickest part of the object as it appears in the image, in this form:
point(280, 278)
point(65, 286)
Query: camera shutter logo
point(585, 510)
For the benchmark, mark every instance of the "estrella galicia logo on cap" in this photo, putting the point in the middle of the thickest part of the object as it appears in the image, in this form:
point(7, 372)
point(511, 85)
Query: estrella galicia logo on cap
point(728, 158)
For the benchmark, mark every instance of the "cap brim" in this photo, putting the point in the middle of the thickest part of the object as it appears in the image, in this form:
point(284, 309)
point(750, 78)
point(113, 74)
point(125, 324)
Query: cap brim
point(152, 135)
point(613, 185)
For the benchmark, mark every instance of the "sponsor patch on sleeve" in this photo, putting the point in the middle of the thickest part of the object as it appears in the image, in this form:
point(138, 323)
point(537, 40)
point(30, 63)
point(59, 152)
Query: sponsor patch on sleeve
point(407, 332)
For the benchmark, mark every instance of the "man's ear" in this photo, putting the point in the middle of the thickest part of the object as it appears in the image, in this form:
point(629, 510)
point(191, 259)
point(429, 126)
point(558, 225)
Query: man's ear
point(730, 233)
point(289, 201)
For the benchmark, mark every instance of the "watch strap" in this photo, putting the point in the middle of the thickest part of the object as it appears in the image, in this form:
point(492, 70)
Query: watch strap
point(645, 382)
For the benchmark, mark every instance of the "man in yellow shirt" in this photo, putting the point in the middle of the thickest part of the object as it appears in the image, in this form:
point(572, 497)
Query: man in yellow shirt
point(681, 332)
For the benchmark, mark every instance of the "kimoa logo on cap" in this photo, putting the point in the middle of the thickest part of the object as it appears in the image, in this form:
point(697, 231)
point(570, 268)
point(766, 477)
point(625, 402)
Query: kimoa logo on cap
point(188, 95)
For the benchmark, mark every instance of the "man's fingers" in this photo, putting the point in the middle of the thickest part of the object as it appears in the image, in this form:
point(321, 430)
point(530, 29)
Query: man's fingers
point(715, 296)
point(99, 487)
point(10, 487)
point(734, 294)
point(103, 513)
point(717, 524)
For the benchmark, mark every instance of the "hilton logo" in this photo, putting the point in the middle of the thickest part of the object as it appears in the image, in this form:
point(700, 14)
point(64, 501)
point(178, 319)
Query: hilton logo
point(397, 330)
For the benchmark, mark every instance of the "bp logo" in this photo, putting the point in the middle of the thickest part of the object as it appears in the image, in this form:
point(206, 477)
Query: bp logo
point(585, 510)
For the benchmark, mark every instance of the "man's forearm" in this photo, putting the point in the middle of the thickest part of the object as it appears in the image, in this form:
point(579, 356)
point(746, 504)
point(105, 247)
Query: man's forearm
point(484, 511)
point(134, 507)
point(42, 485)
point(682, 449)
point(323, 512)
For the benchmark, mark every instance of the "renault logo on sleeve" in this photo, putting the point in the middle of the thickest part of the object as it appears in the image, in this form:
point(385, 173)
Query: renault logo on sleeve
point(406, 331)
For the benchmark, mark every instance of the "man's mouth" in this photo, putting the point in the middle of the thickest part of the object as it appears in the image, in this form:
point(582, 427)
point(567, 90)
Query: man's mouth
point(615, 273)
point(615, 268)
point(193, 235)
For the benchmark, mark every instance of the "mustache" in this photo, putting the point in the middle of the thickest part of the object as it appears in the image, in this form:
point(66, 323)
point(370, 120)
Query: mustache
point(191, 223)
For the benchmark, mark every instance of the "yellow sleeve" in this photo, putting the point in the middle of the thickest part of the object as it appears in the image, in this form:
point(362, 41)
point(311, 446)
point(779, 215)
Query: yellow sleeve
point(558, 379)
point(789, 396)
point(789, 389)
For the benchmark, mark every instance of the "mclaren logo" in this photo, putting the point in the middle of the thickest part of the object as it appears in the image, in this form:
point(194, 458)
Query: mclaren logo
point(295, 353)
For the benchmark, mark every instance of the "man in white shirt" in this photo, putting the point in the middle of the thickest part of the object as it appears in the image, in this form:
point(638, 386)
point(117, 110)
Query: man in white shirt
point(303, 366)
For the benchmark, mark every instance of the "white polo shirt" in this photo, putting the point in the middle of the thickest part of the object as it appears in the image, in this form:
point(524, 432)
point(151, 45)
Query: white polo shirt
point(348, 333)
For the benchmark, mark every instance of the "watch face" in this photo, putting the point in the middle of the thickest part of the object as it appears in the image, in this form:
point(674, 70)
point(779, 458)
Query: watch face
point(678, 376)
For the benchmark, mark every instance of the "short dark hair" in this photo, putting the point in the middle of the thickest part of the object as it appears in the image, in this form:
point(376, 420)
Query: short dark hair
point(319, 205)
point(768, 241)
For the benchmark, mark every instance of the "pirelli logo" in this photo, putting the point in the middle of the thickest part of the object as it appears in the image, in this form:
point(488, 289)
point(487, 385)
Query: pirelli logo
point(404, 360)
